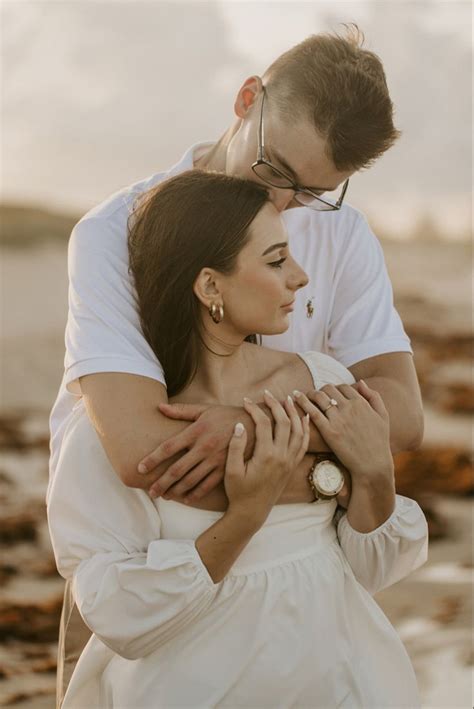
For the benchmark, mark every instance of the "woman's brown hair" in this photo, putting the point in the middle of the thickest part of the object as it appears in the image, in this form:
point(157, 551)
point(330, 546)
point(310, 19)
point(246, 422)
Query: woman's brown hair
point(194, 220)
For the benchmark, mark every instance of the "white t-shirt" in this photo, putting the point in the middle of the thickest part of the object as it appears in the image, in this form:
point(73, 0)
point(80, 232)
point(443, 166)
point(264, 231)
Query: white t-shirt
point(349, 295)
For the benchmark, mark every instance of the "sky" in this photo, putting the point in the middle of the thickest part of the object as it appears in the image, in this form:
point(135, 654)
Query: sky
point(96, 95)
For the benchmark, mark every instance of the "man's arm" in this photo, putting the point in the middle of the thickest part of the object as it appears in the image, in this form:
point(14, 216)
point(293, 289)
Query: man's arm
point(124, 411)
point(394, 376)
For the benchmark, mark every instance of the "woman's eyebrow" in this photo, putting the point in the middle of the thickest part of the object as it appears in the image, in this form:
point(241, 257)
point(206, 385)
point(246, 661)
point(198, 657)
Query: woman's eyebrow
point(282, 245)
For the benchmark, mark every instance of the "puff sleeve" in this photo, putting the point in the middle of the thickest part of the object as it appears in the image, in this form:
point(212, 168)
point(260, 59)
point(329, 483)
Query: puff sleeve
point(387, 554)
point(133, 589)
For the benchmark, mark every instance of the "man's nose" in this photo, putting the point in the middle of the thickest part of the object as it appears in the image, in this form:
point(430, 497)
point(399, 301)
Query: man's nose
point(281, 198)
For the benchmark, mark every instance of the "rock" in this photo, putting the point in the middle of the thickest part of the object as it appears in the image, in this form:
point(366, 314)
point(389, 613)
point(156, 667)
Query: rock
point(434, 470)
point(19, 431)
point(35, 622)
point(18, 527)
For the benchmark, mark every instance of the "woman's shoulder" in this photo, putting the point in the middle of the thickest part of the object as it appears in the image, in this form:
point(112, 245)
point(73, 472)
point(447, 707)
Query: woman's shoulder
point(325, 369)
point(278, 370)
point(300, 370)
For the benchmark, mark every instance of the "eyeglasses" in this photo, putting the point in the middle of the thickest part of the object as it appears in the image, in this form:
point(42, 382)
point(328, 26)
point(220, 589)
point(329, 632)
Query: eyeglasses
point(273, 176)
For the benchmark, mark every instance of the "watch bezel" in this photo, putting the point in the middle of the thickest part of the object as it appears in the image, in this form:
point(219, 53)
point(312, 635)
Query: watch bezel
point(312, 477)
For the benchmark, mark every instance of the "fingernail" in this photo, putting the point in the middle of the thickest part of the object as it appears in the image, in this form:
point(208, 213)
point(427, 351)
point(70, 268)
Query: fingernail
point(142, 468)
point(269, 393)
point(306, 418)
point(239, 429)
point(363, 382)
point(290, 400)
point(154, 494)
point(296, 393)
point(247, 400)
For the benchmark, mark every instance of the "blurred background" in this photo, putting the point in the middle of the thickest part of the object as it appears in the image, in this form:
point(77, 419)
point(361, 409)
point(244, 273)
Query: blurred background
point(96, 95)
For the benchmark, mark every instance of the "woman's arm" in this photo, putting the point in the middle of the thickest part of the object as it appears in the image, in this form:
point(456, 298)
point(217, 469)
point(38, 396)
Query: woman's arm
point(384, 536)
point(133, 589)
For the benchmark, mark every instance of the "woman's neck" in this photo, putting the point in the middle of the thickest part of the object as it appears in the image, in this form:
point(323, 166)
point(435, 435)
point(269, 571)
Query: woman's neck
point(223, 364)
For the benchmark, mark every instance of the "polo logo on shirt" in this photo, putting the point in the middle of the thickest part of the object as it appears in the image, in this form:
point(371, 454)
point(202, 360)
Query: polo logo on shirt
point(309, 307)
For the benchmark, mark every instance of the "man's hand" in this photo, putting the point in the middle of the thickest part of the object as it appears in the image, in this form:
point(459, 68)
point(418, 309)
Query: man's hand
point(203, 448)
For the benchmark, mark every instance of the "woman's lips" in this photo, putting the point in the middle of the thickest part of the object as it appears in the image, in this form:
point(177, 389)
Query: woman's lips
point(289, 306)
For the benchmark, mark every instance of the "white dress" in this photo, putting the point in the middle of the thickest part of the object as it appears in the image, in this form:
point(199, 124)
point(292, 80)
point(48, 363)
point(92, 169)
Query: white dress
point(293, 624)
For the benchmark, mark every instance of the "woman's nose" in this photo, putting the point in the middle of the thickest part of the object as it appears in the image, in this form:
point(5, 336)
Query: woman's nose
point(299, 278)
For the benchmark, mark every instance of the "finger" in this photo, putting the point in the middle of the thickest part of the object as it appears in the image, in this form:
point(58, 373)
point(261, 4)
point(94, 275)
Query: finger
point(315, 414)
point(297, 427)
point(189, 481)
point(281, 434)
point(372, 396)
point(263, 427)
point(208, 484)
point(299, 440)
point(348, 391)
point(175, 473)
point(165, 450)
point(334, 393)
point(182, 412)
point(306, 436)
point(322, 400)
point(235, 464)
point(324, 403)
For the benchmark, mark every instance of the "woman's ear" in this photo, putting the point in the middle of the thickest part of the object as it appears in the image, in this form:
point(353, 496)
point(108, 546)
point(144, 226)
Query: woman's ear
point(206, 287)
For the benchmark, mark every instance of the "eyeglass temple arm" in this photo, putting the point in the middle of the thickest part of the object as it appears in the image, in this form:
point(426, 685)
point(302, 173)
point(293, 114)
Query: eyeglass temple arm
point(342, 195)
point(261, 143)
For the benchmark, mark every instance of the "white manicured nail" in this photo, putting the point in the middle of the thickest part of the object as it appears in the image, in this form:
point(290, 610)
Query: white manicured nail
point(239, 429)
point(269, 393)
point(296, 393)
point(247, 400)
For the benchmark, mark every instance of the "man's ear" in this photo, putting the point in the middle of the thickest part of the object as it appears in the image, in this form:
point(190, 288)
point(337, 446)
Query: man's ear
point(206, 287)
point(248, 92)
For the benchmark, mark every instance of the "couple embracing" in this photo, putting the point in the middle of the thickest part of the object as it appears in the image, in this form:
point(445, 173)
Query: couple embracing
point(222, 497)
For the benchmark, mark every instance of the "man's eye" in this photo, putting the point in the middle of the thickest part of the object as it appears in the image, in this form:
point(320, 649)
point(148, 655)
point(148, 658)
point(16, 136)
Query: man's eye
point(277, 264)
point(275, 173)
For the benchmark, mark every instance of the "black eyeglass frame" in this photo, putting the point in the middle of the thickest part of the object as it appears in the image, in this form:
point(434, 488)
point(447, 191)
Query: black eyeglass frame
point(261, 160)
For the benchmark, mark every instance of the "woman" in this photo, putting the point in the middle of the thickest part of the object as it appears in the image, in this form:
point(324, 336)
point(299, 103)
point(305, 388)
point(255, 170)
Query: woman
point(237, 601)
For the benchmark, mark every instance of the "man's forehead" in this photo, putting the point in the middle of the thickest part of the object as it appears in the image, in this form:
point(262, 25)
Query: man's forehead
point(302, 151)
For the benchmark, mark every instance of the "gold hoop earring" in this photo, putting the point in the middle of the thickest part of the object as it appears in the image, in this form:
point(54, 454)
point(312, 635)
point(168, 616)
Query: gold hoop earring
point(216, 312)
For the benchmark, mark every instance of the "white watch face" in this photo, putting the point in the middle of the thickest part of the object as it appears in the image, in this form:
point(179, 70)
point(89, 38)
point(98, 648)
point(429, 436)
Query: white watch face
point(328, 477)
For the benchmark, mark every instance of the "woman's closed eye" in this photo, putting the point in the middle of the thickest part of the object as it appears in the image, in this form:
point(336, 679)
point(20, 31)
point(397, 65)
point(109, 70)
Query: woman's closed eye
point(277, 264)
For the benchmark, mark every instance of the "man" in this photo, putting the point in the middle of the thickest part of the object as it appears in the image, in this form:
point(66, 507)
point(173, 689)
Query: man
point(320, 113)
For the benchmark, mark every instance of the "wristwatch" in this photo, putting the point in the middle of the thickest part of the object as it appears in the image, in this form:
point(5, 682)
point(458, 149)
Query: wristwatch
point(326, 477)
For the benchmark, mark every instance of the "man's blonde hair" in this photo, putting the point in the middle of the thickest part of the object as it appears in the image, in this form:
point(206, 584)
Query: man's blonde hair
point(341, 88)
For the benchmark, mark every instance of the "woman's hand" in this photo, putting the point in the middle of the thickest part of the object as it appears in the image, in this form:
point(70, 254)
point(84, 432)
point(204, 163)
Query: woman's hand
point(356, 428)
point(254, 486)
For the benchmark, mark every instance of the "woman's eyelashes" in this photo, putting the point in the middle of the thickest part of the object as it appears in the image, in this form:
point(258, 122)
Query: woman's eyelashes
point(277, 264)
